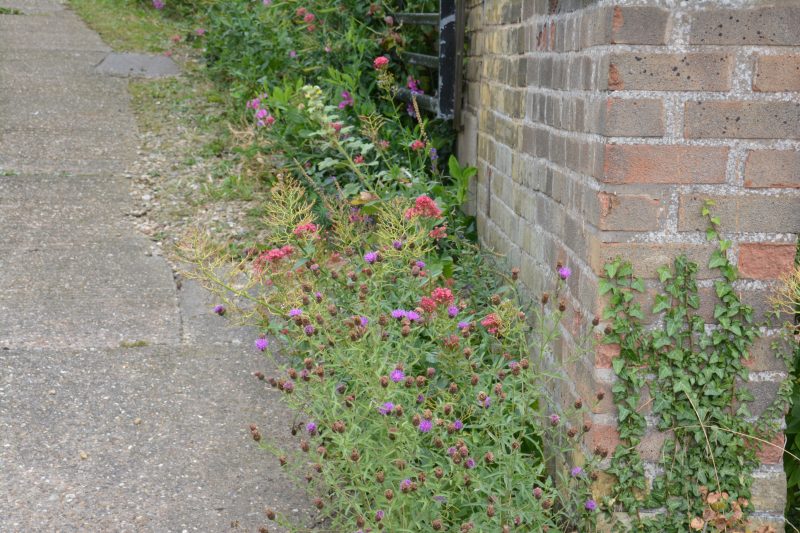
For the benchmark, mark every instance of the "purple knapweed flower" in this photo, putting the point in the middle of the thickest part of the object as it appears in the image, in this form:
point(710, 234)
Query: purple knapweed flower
point(463, 325)
point(158, 4)
point(318, 296)
point(564, 272)
point(425, 425)
point(219, 309)
point(364, 321)
point(577, 471)
point(261, 344)
point(398, 314)
point(554, 419)
point(347, 100)
point(470, 463)
point(440, 499)
point(386, 408)
point(413, 316)
point(398, 245)
point(397, 375)
point(288, 386)
point(451, 451)
point(405, 484)
point(487, 402)
point(420, 398)
point(311, 427)
point(459, 425)
point(295, 312)
point(379, 514)
point(309, 329)
point(420, 264)
point(371, 257)
point(452, 311)
point(590, 505)
point(292, 54)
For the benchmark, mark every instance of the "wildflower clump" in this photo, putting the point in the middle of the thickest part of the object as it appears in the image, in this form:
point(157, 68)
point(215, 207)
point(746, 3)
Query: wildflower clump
point(419, 404)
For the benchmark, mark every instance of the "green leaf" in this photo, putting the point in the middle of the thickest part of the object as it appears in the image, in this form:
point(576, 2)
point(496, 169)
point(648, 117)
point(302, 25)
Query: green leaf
point(611, 269)
point(617, 364)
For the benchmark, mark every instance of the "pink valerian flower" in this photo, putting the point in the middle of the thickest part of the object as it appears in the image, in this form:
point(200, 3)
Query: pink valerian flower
point(337, 126)
point(492, 323)
point(428, 304)
point(383, 144)
point(358, 159)
point(200, 32)
point(442, 295)
point(158, 4)
point(347, 100)
point(380, 62)
point(424, 206)
point(417, 145)
point(175, 38)
point(439, 232)
point(328, 49)
point(292, 54)
point(271, 256)
point(304, 229)
point(564, 272)
point(309, 17)
point(301, 11)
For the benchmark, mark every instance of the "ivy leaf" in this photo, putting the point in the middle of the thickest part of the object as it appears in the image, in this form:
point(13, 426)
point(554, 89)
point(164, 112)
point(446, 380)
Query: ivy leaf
point(611, 269)
point(618, 363)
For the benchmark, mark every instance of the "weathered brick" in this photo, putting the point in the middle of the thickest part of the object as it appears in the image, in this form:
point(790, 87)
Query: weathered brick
point(770, 25)
point(777, 74)
point(639, 163)
point(742, 120)
point(604, 354)
point(630, 212)
point(769, 492)
point(670, 72)
point(764, 354)
point(766, 261)
point(638, 25)
point(650, 447)
point(624, 117)
point(745, 213)
point(772, 168)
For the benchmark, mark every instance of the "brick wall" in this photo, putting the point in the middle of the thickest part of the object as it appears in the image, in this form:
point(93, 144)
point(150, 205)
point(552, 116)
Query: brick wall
point(598, 129)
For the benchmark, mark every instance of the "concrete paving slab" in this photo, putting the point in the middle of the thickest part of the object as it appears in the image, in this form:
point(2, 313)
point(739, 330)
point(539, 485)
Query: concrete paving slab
point(48, 64)
point(30, 152)
point(34, 7)
point(139, 439)
point(29, 33)
point(130, 65)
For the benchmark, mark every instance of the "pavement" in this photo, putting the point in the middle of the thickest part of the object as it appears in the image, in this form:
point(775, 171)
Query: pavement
point(124, 402)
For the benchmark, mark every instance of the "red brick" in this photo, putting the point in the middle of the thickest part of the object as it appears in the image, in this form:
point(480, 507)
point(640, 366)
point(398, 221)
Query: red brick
point(670, 72)
point(772, 168)
point(604, 354)
point(765, 261)
point(771, 453)
point(768, 25)
point(742, 120)
point(642, 163)
point(602, 437)
point(777, 73)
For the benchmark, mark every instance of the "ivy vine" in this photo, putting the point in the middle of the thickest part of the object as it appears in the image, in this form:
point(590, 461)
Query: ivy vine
point(692, 372)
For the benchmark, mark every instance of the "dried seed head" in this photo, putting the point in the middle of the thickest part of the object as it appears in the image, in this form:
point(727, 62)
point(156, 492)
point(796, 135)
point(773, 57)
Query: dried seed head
point(490, 510)
point(515, 273)
point(389, 494)
point(436, 525)
point(545, 298)
point(438, 472)
point(495, 299)
point(270, 514)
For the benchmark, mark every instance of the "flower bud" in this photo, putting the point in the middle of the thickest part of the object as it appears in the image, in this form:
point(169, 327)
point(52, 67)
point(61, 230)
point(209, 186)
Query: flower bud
point(545, 298)
point(430, 372)
point(389, 494)
point(438, 473)
point(384, 381)
point(490, 510)
point(318, 503)
point(270, 514)
point(537, 493)
point(380, 476)
point(452, 388)
point(355, 456)
point(436, 525)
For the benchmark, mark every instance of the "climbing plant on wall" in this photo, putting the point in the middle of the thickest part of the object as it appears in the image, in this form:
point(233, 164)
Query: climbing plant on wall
point(687, 374)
